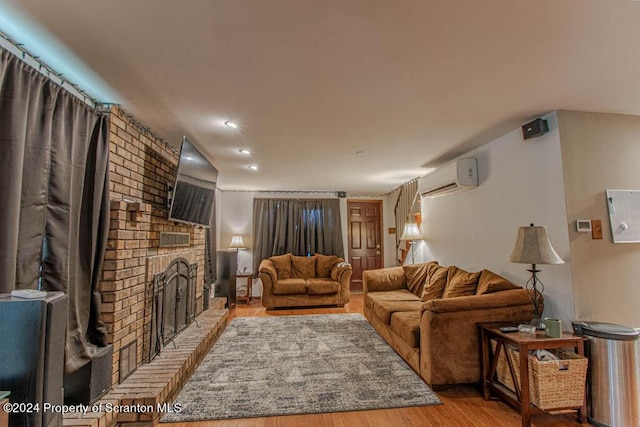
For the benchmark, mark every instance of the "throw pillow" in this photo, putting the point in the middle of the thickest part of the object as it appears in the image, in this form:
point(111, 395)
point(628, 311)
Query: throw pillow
point(282, 263)
point(303, 267)
point(491, 282)
point(435, 283)
point(416, 275)
point(460, 283)
point(324, 264)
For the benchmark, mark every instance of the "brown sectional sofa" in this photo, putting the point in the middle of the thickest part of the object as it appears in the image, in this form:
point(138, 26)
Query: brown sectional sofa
point(297, 281)
point(428, 314)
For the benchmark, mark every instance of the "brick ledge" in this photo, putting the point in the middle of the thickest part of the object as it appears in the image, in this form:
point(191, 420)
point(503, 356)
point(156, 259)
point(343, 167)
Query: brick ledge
point(157, 382)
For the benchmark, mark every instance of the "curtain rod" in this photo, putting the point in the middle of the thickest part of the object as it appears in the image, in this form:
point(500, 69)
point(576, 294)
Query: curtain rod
point(105, 107)
point(301, 192)
point(33, 61)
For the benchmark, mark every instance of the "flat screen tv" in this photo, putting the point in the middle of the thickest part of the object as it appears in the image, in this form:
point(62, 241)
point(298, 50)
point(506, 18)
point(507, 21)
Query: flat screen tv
point(193, 195)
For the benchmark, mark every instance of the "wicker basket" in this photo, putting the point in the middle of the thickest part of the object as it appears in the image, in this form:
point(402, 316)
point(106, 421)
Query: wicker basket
point(552, 384)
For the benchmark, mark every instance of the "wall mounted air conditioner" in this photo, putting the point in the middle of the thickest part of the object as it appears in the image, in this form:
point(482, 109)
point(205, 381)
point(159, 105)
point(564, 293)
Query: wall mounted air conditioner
point(459, 175)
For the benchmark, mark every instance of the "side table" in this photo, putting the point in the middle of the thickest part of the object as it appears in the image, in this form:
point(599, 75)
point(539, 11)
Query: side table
point(247, 297)
point(523, 342)
point(4, 416)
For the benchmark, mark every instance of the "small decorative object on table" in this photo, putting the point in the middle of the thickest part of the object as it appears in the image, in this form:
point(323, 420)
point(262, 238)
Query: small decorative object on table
point(527, 329)
point(553, 327)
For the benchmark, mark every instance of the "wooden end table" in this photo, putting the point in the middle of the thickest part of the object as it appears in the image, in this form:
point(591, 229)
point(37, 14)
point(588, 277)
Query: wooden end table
point(4, 415)
point(248, 277)
point(523, 342)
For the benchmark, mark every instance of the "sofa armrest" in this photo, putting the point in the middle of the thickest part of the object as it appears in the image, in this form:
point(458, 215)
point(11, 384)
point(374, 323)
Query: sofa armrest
point(268, 274)
point(449, 338)
point(383, 279)
point(339, 270)
point(500, 299)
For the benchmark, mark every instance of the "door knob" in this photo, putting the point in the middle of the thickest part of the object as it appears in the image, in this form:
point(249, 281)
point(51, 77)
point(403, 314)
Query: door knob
point(377, 252)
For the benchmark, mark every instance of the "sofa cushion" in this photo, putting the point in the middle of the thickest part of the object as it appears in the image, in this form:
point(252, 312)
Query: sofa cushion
point(322, 286)
point(384, 279)
point(303, 266)
point(397, 295)
point(416, 275)
point(460, 283)
point(289, 286)
point(407, 325)
point(384, 309)
point(490, 282)
point(324, 264)
point(282, 263)
point(435, 284)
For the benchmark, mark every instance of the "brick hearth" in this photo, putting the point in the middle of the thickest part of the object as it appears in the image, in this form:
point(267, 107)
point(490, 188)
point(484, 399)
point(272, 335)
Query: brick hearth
point(161, 380)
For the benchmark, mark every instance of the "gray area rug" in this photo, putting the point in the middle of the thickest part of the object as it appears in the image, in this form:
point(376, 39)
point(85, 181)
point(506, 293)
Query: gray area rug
point(265, 366)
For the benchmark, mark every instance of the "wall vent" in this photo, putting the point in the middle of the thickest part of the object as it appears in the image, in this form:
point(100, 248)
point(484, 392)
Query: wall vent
point(638, 363)
point(172, 240)
point(128, 363)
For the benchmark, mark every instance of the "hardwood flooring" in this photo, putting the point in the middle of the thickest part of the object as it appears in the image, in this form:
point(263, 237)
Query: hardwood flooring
point(462, 406)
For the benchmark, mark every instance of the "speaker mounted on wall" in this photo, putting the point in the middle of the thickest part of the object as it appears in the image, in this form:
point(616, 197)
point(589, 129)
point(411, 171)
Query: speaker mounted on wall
point(535, 129)
point(341, 194)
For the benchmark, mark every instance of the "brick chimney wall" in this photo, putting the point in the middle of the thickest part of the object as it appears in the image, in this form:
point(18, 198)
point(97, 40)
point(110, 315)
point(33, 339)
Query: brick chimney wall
point(141, 168)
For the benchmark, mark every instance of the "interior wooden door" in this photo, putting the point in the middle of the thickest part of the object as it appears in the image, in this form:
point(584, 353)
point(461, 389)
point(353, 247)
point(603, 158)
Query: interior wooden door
point(365, 238)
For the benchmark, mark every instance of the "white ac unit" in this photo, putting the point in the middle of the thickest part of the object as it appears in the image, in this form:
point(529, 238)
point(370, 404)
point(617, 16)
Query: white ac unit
point(459, 175)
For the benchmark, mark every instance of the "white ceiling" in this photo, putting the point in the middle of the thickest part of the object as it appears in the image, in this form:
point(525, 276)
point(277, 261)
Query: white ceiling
point(311, 82)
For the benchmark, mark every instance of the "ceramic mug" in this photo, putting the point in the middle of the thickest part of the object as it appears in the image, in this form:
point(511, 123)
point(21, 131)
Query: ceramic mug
point(553, 327)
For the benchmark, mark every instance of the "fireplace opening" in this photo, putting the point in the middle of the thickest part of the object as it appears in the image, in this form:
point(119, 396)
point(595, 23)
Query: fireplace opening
point(173, 305)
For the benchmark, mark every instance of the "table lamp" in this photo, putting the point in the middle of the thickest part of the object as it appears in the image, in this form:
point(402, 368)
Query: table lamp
point(236, 244)
point(411, 232)
point(533, 247)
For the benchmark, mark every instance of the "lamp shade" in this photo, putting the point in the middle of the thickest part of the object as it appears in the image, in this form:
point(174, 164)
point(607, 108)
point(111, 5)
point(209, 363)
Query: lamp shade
point(237, 242)
point(533, 247)
point(411, 232)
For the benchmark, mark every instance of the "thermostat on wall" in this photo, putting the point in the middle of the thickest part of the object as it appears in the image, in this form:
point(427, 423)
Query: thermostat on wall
point(583, 226)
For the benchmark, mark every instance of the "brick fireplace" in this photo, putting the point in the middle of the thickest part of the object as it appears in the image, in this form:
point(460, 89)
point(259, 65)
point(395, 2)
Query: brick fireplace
point(173, 299)
point(141, 169)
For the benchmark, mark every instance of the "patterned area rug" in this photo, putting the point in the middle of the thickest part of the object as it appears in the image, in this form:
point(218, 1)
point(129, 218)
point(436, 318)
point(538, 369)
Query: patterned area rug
point(266, 366)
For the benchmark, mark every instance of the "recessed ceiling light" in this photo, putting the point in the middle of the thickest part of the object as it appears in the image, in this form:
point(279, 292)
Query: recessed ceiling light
point(243, 151)
point(253, 167)
point(231, 124)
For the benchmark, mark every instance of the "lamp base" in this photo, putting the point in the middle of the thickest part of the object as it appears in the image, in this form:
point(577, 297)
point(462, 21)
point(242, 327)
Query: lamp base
point(538, 323)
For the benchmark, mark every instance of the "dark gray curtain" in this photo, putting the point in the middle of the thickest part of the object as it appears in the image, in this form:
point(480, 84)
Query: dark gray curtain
point(210, 249)
point(54, 217)
point(302, 227)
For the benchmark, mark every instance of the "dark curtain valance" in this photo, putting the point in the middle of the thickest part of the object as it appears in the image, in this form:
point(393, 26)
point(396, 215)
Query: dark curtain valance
point(54, 217)
point(302, 227)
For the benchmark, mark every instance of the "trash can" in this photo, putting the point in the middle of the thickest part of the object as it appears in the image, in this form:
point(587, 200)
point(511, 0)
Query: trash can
point(614, 393)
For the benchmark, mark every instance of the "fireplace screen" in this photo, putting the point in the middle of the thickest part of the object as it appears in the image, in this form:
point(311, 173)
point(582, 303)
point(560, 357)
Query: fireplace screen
point(173, 307)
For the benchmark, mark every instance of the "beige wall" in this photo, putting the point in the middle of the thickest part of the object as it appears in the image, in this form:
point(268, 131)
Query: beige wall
point(235, 216)
point(600, 152)
point(520, 182)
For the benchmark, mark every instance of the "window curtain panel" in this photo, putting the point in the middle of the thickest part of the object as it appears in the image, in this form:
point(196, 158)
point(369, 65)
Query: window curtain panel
point(302, 227)
point(54, 219)
point(210, 249)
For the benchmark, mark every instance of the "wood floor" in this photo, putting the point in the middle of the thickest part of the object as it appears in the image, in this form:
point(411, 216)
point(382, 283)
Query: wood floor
point(462, 406)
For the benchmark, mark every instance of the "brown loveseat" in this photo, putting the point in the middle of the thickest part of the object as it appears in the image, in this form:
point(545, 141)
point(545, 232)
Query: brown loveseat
point(298, 281)
point(428, 314)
